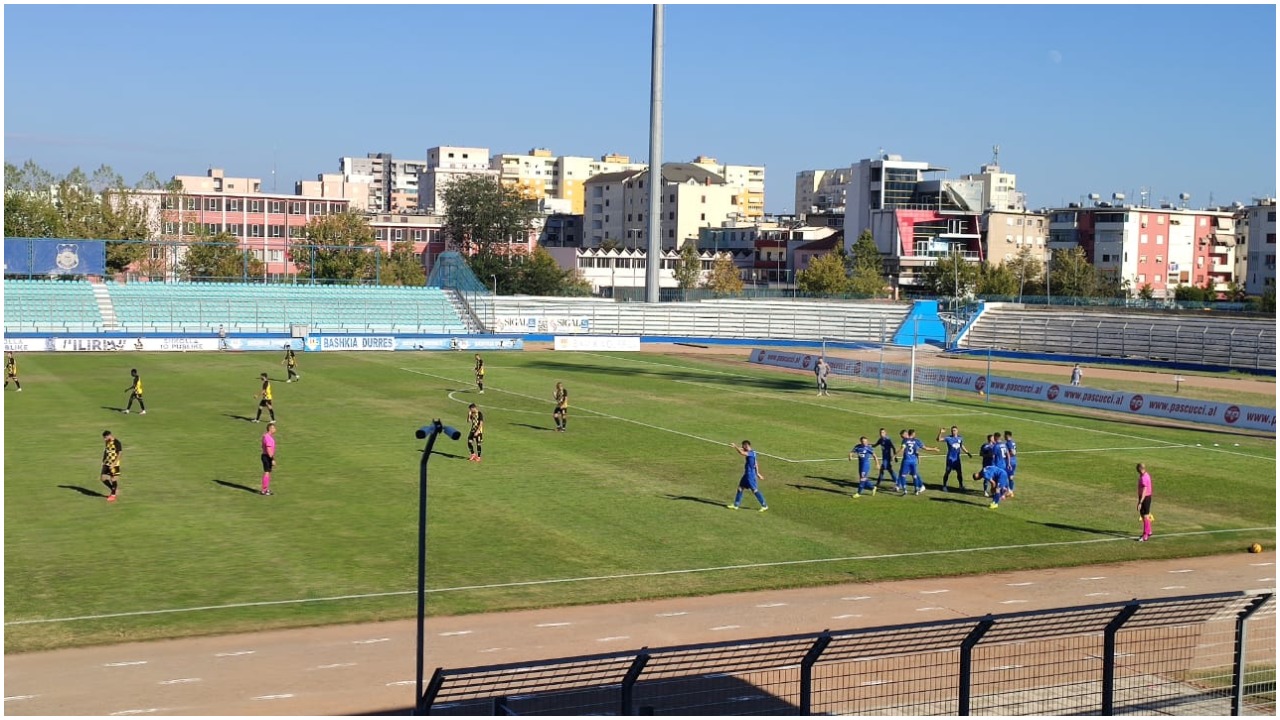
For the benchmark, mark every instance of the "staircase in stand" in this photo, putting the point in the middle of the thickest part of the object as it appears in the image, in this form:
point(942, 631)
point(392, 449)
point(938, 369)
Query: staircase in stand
point(108, 311)
point(465, 311)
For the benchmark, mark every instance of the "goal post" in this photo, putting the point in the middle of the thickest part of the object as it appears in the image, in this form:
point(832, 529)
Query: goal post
point(903, 370)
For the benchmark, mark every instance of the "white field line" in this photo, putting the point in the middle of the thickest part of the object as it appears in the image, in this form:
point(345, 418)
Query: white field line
point(492, 407)
point(627, 576)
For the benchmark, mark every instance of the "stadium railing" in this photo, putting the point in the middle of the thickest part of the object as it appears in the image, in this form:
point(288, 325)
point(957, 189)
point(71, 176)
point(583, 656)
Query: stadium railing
point(1208, 654)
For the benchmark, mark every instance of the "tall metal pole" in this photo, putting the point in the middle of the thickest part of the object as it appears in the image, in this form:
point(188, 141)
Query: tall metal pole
point(654, 263)
point(418, 706)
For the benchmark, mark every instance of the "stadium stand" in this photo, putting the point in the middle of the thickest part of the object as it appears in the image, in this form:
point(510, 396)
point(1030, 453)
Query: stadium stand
point(200, 307)
point(50, 306)
point(1236, 342)
point(725, 318)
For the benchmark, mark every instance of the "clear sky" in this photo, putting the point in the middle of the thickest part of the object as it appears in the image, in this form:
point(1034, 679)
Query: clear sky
point(1080, 98)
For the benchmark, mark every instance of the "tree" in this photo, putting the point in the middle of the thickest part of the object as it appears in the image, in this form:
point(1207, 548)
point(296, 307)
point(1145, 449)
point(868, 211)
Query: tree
point(1028, 269)
point(1071, 275)
point(540, 274)
point(344, 248)
point(866, 267)
point(724, 278)
point(688, 267)
point(480, 212)
point(403, 266)
point(824, 276)
point(997, 280)
point(1146, 292)
point(219, 257)
point(950, 276)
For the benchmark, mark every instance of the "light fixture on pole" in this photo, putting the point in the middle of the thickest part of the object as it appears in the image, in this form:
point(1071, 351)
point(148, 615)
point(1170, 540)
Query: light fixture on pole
point(428, 432)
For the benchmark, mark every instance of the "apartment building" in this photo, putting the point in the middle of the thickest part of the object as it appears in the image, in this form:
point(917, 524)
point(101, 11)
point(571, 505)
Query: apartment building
point(626, 267)
point(691, 198)
point(541, 175)
point(821, 191)
point(336, 185)
point(1157, 247)
point(393, 183)
point(1005, 233)
point(444, 164)
point(213, 203)
point(1257, 238)
point(749, 178)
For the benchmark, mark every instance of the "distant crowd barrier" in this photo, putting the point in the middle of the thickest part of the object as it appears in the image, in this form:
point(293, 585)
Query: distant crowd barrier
point(1159, 406)
point(237, 343)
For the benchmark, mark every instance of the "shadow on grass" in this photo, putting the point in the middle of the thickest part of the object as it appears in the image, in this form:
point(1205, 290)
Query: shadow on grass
point(777, 382)
point(690, 498)
point(237, 486)
point(445, 454)
point(833, 491)
point(838, 482)
point(978, 502)
point(83, 491)
point(112, 409)
point(1077, 528)
point(233, 416)
point(531, 427)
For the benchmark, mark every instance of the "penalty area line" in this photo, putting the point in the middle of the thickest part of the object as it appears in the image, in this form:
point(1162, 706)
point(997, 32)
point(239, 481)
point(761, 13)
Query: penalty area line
point(629, 576)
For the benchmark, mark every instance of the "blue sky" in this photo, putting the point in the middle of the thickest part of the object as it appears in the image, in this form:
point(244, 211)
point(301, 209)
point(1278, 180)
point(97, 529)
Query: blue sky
point(1080, 98)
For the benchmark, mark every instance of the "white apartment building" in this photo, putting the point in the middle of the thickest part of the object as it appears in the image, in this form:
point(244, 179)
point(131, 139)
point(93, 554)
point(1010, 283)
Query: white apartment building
point(1259, 246)
point(750, 178)
point(617, 205)
point(821, 191)
point(393, 183)
point(337, 185)
point(444, 163)
point(625, 267)
point(542, 175)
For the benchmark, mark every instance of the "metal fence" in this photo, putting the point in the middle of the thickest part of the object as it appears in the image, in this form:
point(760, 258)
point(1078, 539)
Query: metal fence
point(1193, 655)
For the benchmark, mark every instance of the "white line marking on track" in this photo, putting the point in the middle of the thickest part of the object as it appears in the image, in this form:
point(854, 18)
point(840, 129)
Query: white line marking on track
point(20, 697)
point(1261, 564)
point(1021, 584)
point(1010, 602)
point(1096, 594)
point(872, 682)
point(370, 642)
point(559, 624)
point(932, 592)
point(237, 653)
point(613, 638)
point(492, 649)
point(1265, 579)
point(1174, 587)
point(281, 696)
point(455, 632)
point(726, 627)
point(846, 616)
point(1006, 667)
point(857, 597)
point(1181, 571)
point(1098, 577)
point(628, 576)
point(401, 682)
point(772, 605)
point(671, 614)
point(125, 663)
point(136, 712)
point(334, 665)
point(179, 681)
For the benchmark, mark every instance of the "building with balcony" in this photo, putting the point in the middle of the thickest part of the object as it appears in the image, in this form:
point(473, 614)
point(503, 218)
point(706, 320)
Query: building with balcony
point(1160, 248)
point(821, 192)
point(393, 183)
point(444, 164)
point(748, 178)
point(1005, 233)
point(264, 223)
point(1257, 239)
point(336, 185)
point(617, 205)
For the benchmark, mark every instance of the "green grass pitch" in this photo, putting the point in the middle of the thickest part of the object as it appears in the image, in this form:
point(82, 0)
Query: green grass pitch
point(628, 504)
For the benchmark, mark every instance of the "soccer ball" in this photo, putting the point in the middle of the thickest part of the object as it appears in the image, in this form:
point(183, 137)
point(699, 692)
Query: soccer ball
point(1255, 548)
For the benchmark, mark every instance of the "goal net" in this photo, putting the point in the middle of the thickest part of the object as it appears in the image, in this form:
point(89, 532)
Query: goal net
point(900, 371)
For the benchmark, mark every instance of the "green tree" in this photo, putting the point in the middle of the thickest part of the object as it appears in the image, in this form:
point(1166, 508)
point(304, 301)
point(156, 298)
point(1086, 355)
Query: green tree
point(1028, 269)
point(219, 257)
point(403, 266)
point(538, 273)
point(866, 268)
point(689, 267)
point(1146, 292)
point(492, 268)
point(824, 276)
point(345, 249)
point(950, 276)
point(724, 278)
point(1071, 275)
point(481, 212)
point(997, 280)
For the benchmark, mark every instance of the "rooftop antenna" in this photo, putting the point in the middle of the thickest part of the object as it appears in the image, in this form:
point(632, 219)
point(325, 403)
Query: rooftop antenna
point(1143, 194)
point(995, 154)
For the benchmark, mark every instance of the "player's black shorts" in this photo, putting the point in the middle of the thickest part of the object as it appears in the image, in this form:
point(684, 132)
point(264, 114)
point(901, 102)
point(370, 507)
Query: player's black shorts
point(1146, 506)
point(475, 436)
point(267, 462)
point(953, 465)
point(562, 409)
point(264, 403)
point(111, 470)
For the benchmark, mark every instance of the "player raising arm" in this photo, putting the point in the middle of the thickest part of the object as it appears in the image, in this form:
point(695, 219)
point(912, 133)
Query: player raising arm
point(750, 476)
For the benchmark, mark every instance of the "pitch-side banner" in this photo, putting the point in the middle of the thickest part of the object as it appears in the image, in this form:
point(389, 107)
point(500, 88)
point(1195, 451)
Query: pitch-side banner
point(542, 325)
point(598, 343)
point(1159, 406)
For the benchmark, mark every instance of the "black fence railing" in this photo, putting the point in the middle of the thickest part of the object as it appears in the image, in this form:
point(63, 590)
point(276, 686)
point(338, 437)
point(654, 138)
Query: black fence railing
point(1202, 655)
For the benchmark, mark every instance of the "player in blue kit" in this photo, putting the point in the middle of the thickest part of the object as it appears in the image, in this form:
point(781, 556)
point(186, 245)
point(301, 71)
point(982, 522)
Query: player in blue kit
point(999, 481)
point(887, 454)
point(1011, 456)
point(750, 476)
point(955, 446)
point(866, 453)
point(911, 447)
point(999, 451)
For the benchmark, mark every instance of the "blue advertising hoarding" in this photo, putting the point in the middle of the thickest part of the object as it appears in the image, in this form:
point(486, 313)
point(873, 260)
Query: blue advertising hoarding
point(68, 257)
point(17, 256)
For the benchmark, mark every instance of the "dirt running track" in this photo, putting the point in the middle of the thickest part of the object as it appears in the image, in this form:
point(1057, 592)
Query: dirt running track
point(370, 668)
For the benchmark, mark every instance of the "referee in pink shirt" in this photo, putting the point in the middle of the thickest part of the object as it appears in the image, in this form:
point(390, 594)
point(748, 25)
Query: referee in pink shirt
point(1144, 501)
point(268, 457)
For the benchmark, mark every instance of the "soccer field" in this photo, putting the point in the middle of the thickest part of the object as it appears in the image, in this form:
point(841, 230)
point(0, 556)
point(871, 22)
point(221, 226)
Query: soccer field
point(628, 504)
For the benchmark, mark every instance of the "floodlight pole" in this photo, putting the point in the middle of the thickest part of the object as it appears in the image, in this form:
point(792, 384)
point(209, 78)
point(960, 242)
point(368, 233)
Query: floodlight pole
point(430, 432)
point(653, 264)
